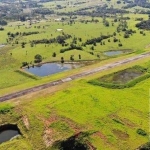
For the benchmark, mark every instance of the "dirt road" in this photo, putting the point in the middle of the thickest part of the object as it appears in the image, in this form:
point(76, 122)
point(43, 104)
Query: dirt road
point(73, 77)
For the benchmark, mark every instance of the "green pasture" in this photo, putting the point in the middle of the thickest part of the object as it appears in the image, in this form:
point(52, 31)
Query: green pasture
point(9, 63)
point(112, 115)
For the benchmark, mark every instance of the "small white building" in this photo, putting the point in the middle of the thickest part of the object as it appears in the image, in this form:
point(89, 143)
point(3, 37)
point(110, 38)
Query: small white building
point(59, 30)
point(58, 19)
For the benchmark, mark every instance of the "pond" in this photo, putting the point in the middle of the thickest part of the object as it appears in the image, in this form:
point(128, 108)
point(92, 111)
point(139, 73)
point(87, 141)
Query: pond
point(116, 52)
point(50, 68)
point(7, 132)
point(122, 77)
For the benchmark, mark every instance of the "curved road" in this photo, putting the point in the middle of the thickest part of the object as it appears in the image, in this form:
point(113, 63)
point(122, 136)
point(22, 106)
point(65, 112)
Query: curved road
point(73, 77)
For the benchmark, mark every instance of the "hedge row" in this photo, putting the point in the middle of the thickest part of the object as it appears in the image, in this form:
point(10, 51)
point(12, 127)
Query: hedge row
point(71, 48)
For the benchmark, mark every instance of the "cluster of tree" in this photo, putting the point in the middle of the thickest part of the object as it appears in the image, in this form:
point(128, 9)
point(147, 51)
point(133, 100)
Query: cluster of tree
point(99, 12)
point(29, 33)
point(145, 5)
point(105, 22)
point(144, 12)
point(72, 47)
point(104, 10)
point(128, 33)
point(59, 39)
point(23, 45)
point(3, 22)
point(79, 3)
point(130, 5)
point(13, 35)
point(72, 57)
point(43, 11)
point(122, 26)
point(97, 40)
point(139, 19)
point(87, 21)
point(60, 6)
point(85, 9)
point(144, 25)
point(44, 1)
point(142, 32)
point(141, 3)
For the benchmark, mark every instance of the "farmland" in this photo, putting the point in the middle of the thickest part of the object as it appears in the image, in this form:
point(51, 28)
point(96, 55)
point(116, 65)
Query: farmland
point(75, 32)
point(79, 30)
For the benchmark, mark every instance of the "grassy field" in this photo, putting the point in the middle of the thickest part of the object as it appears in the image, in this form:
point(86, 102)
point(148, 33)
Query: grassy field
point(13, 54)
point(112, 120)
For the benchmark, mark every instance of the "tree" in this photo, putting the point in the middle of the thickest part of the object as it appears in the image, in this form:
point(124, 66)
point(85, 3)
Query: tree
point(23, 44)
point(98, 55)
point(79, 56)
point(38, 58)
point(62, 60)
point(126, 36)
point(120, 44)
point(71, 58)
point(24, 64)
point(92, 48)
point(54, 54)
point(32, 44)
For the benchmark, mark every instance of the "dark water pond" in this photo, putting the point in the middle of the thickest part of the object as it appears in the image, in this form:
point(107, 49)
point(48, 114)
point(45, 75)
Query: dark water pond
point(116, 52)
point(122, 77)
point(126, 76)
point(50, 68)
point(7, 132)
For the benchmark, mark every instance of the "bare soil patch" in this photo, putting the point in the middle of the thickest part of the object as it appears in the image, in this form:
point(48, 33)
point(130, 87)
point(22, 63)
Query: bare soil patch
point(120, 134)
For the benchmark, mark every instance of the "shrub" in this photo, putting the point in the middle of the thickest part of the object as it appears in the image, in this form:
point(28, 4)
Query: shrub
point(141, 132)
point(126, 35)
point(54, 54)
point(120, 44)
point(5, 108)
point(24, 64)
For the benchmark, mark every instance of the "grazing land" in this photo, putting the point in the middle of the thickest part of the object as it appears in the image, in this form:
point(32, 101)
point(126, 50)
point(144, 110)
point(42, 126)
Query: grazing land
point(108, 109)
